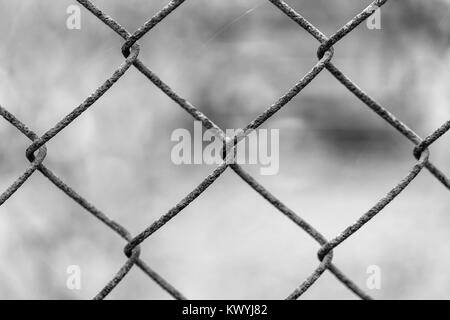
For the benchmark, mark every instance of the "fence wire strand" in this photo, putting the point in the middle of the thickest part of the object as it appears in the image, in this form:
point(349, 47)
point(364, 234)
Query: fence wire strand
point(37, 152)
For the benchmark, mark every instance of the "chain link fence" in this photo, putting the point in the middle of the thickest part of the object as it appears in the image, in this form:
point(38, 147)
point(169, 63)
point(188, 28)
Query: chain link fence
point(37, 151)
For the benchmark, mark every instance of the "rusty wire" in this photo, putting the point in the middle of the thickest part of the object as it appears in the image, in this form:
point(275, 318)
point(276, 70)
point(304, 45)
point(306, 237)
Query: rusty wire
point(37, 152)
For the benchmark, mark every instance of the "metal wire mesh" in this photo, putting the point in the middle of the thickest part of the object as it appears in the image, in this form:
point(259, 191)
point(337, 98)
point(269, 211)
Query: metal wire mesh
point(36, 152)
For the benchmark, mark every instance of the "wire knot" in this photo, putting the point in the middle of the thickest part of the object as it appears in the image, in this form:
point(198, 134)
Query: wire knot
point(324, 48)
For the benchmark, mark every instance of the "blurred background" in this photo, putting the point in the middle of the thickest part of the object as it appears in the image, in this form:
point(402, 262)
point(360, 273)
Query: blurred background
point(232, 59)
